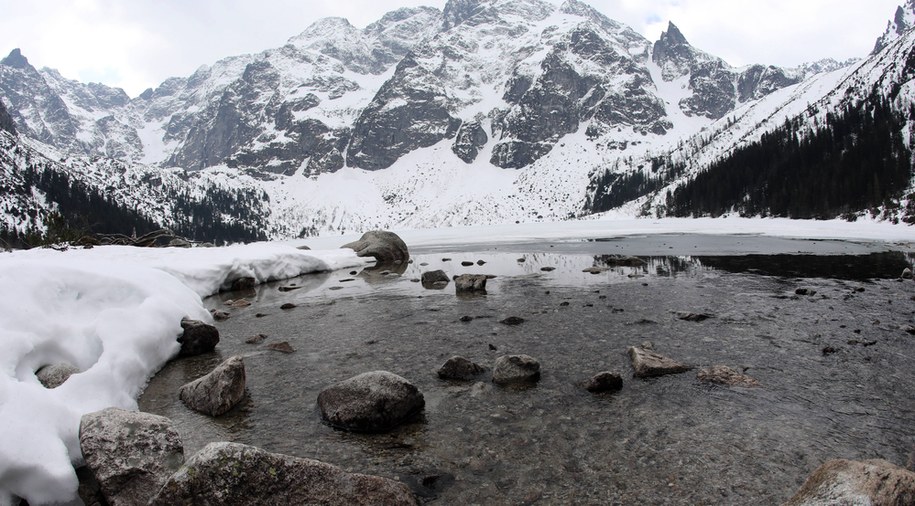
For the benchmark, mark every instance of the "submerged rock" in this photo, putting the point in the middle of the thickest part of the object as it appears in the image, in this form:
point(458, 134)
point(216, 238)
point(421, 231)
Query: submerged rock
point(235, 474)
point(460, 369)
point(604, 382)
point(693, 317)
point(282, 347)
point(435, 280)
point(852, 482)
point(724, 375)
point(512, 321)
point(648, 364)
point(198, 338)
point(217, 392)
point(54, 375)
point(469, 283)
point(370, 402)
point(516, 369)
point(385, 247)
point(131, 454)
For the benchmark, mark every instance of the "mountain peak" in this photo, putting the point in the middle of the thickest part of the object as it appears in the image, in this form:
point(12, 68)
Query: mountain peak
point(903, 21)
point(458, 11)
point(16, 60)
point(673, 36)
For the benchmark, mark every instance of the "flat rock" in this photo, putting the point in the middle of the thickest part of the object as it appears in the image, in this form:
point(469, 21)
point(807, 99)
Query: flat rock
point(131, 454)
point(385, 247)
point(370, 402)
point(516, 369)
point(604, 382)
point(648, 364)
point(468, 283)
point(233, 474)
point(54, 375)
point(218, 315)
point(876, 482)
point(256, 339)
point(512, 321)
point(460, 369)
point(724, 375)
point(282, 347)
point(435, 280)
point(198, 338)
point(217, 392)
point(287, 306)
point(693, 317)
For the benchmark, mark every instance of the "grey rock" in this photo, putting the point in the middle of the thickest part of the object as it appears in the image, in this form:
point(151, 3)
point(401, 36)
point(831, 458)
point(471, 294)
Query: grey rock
point(648, 364)
point(471, 137)
point(217, 392)
point(282, 347)
point(229, 474)
point(219, 316)
point(241, 284)
point(130, 454)
point(460, 369)
point(6, 121)
point(604, 382)
point(385, 247)
point(906, 273)
point(852, 482)
point(179, 243)
point(724, 375)
point(467, 283)
point(809, 292)
point(511, 369)
point(435, 280)
point(693, 317)
point(512, 321)
point(198, 337)
point(370, 402)
point(54, 375)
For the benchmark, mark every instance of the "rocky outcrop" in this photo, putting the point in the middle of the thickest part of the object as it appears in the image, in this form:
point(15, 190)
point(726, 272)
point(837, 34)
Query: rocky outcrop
point(385, 247)
point(604, 382)
point(54, 375)
point(217, 392)
point(460, 369)
point(198, 338)
point(130, 454)
point(228, 474)
point(471, 137)
point(435, 280)
point(724, 375)
point(370, 402)
point(851, 482)
point(516, 369)
point(902, 21)
point(470, 283)
point(648, 364)
point(6, 121)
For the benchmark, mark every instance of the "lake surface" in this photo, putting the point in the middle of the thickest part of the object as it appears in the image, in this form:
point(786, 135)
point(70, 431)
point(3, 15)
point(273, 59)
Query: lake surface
point(835, 367)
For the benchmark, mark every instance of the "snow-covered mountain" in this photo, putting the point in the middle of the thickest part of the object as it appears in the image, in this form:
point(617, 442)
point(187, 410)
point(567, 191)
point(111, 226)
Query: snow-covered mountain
point(489, 111)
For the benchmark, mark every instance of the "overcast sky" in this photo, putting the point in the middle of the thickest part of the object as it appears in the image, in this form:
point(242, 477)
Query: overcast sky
point(136, 44)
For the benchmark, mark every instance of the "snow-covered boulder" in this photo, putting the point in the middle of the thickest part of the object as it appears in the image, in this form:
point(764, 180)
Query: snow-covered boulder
point(511, 369)
point(198, 338)
point(370, 402)
point(54, 375)
point(217, 392)
point(385, 247)
point(131, 454)
point(851, 482)
point(234, 474)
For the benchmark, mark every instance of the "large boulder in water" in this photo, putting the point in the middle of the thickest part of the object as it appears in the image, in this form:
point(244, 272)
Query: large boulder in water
point(385, 247)
point(217, 392)
point(851, 482)
point(435, 280)
point(228, 474)
point(470, 283)
point(516, 369)
point(198, 338)
point(648, 364)
point(370, 402)
point(131, 454)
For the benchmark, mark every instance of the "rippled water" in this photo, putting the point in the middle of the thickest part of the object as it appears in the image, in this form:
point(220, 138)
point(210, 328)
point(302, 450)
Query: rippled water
point(669, 440)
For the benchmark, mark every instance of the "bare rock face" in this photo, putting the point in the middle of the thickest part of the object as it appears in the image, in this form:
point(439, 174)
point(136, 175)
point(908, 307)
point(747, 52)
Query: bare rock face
point(54, 375)
point(510, 369)
point(198, 338)
point(131, 454)
point(648, 364)
point(604, 382)
point(234, 474)
point(370, 402)
point(467, 283)
point(724, 375)
point(851, 482)
point(385, 247)
point(435, 280)
point(460, 369)
point(217, 392)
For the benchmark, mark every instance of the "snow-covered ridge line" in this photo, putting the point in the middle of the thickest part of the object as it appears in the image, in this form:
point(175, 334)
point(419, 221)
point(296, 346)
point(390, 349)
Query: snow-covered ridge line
point(114, 313)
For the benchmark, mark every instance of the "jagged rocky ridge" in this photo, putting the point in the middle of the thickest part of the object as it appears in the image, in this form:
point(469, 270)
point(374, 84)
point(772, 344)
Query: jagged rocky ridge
point(488, 111)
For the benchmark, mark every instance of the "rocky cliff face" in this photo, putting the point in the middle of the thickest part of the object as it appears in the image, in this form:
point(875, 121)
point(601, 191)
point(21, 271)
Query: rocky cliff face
point(6, 121)
point(903, 21)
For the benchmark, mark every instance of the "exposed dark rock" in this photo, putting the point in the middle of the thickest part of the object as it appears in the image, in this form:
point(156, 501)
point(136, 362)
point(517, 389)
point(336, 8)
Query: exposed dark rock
point(232, 474)
point(724, 375)
point(435, 280)
point(595, 270)
point(370, 402)
point(604, 382)
point(385, 247)
point(906, 273)
point(198, 337)
point(288, 305)
point(130, 454)
point(648, 364)
point(619, 261)
point(6, 121)
point(242, 283)
point(219, 316)
point(256, 339)
point(466, 319)
point(471, 137)
point(470, 283)
point(512, 320)
point(805, 291)
point(908, 328)
point(693, 317)
point(288, 288)
point(460, 369)
point(547, 269)
point(458, 11)
point(467, 263)
point(852, 482)
point(282, 347)
point(54, 375)
point(510, 369)
point(217, 392)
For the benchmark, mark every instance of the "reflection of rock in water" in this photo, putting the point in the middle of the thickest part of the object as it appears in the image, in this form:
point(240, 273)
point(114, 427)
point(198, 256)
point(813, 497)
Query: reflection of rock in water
point(885, 265)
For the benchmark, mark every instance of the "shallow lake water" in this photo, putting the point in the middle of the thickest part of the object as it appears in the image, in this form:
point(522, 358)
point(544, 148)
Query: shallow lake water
point(836, 370)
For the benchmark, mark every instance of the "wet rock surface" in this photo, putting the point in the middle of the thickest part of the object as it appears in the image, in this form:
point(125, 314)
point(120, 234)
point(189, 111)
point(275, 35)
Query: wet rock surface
point(435, 280)
point(733, 446)
point(130, 454)
point(604, 382)
point(236, 474)
point(851, 482)
point(724, 375)
point(370, 402)
point(460, 369)
point(198, 337)
point(470, 283)
point(648, 364)
point(516, 369)
point(217, 392)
